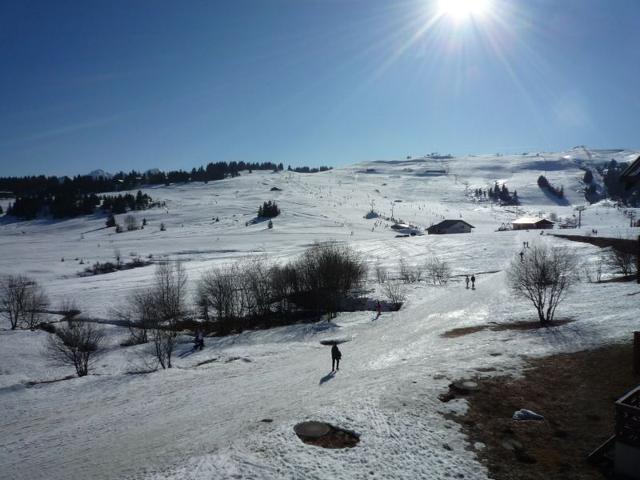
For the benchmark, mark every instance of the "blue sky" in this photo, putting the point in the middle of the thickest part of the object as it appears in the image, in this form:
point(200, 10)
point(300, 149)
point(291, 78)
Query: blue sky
point(139, 84)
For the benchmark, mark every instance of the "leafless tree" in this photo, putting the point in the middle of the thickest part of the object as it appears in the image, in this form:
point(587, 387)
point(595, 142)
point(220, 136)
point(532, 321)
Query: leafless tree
point(75, 343)
point(69, 309)
point(169, 295)
point(438, 271)
point(394, 292)
point(328, 272)
point(257, 287)
point(22, 301)
point(624, 262)
point(409, 273)
point(220, 297)
point(131, 223)
point(139, 314)
point(543, 276)
point(381, 273)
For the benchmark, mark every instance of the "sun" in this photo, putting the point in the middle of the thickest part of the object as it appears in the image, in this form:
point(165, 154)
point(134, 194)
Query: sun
point(464, 9)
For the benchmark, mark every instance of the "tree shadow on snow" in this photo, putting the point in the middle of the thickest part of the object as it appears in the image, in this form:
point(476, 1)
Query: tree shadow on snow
point(327, 377)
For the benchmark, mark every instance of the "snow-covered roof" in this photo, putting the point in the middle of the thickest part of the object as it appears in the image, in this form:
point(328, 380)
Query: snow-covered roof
point(450, 223)
point(531, 220)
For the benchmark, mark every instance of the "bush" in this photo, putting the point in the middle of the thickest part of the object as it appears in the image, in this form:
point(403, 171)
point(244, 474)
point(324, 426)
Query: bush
point(409, 273)
point(438, 271)
point(77, 343)
point(111, 221)
point(395, 293)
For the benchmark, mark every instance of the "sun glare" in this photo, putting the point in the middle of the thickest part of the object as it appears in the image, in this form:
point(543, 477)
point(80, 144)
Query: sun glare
point(464, 9)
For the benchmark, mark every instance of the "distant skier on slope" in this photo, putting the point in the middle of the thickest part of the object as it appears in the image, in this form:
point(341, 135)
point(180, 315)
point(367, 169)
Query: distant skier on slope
point(466, 279)
point(336, 355)
point(378, 308)
point(473, 282)
point(199, 340)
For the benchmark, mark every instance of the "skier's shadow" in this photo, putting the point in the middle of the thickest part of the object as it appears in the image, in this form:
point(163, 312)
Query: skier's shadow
point(327, 377)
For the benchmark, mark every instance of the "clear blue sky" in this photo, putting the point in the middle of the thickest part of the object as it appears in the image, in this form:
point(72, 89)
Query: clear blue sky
point(174, 84)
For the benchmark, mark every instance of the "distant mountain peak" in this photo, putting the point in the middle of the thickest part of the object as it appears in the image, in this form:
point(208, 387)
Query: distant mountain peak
point(99, 173)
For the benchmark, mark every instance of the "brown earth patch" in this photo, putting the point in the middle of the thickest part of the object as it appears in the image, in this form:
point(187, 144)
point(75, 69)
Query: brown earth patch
point(326, 435)
point(500, 327)
point(574, 392)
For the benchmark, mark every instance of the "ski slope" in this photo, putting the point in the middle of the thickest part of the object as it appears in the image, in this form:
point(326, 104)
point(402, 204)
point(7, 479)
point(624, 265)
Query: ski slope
point(202, 419)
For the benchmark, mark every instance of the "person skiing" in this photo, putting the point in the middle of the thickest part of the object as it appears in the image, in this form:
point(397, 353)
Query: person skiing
point(336, 355)
point(466, 279)
point(378, 308)
point(199, 340)
point(473, 282)
point(522, 256)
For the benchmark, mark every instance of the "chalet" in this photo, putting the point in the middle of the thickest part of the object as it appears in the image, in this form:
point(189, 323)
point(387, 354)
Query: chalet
point(528, 223)
point(631, 175)
point(450, 226)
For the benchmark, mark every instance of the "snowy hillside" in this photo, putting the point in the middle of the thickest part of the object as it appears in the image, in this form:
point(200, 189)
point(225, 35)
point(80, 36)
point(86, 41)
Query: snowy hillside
point(202, 419)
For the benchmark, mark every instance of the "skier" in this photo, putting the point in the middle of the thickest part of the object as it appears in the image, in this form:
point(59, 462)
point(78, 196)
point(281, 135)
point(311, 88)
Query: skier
point(336, 355)
point(473, 282)
point(466, 279)
point(199, 341)
point(378, 308)
point(522, 256)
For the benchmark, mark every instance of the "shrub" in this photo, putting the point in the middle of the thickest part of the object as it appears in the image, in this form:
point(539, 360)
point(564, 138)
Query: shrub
point(409, 273)
point(111, 221)
point(77, 343)
point(395, 293)
point(438, 271)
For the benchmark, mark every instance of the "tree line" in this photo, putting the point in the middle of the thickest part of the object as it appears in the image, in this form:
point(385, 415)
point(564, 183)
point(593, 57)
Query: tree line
point(64, 205)
point(72, 196)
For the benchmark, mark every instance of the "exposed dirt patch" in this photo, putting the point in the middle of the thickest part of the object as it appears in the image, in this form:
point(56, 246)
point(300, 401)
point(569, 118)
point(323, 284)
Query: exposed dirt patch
point(500, 327)
point(574, 392)
point(33, 383)
point(326, 435)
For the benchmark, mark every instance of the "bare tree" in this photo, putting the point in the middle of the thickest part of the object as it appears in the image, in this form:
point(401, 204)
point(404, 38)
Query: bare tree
point(438, 271)
point(75, 343)
point(219, 297)
point(624, 262)
point(543, 276)
point(22, 301)
point(131, 223)
point(139, 314)
point(69, 309)
point(409, 273)
point(257, 288)
point(381, 273)
point(395, 293)
point(169, 296)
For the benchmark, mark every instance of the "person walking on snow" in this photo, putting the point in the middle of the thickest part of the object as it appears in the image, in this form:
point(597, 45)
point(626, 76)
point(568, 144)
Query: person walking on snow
point(466, 279)
point(473, 282)
point(199, 341)
point(336, 355)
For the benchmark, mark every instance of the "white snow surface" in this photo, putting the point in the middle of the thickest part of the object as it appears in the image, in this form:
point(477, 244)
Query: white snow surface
point(203, 420)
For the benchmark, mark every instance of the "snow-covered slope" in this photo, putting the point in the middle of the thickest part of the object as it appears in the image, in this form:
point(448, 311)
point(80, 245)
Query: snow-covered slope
point(204, 421)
